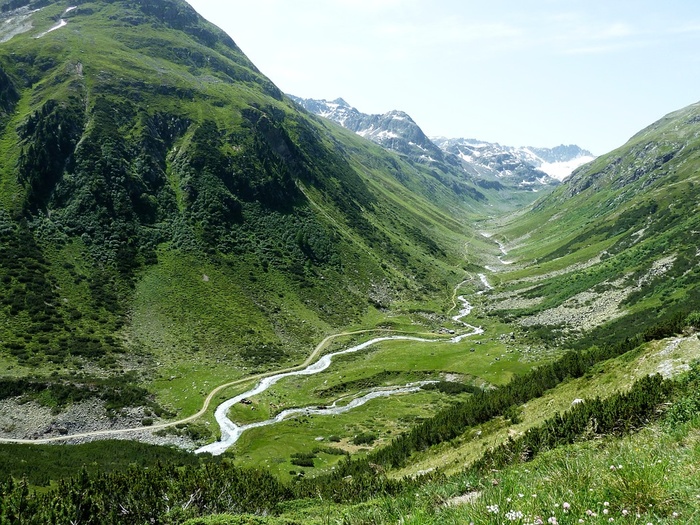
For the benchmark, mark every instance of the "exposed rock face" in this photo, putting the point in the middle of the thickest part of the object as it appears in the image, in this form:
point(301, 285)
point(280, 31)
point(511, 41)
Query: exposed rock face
point(394, 130)
point(533, 165)
point(527, 168)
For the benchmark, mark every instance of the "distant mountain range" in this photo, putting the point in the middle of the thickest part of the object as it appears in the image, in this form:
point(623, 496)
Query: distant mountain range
point(394, 130)
point(558, 162)
point(397, 131)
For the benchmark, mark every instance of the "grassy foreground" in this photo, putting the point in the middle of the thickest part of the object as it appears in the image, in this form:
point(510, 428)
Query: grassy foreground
point(649, 477)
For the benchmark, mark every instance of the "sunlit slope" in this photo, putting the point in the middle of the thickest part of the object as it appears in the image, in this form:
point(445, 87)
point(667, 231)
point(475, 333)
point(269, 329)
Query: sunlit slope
point(615, 248)
point(163, 205)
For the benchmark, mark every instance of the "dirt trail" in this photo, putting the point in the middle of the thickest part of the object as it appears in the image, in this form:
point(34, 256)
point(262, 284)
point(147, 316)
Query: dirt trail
point(207, 402)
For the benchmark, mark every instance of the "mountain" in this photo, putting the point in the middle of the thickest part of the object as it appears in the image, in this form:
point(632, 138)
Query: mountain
point(529, 168)
point(164, 208)
point(388, 340)
point(504, 181)
point(616, 244)
point(561, 161)
point(529, 162)
point(394, 130)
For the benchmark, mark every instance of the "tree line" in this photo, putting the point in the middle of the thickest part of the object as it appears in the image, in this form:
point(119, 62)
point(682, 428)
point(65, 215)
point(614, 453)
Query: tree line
point(478, 409)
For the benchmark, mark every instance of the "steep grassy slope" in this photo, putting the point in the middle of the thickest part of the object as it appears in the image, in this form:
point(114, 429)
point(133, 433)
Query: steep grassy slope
point(165, 209)
point(616, 246)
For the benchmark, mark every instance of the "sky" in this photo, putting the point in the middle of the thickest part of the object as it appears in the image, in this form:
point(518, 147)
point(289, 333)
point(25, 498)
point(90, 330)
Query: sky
point(518, 72)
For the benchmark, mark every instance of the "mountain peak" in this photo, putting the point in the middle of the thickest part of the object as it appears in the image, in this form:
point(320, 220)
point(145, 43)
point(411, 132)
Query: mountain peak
point(397, 131)
point(394, 130)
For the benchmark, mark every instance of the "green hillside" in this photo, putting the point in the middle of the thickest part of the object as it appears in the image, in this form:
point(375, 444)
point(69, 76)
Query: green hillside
point(615, 249)
point(165, 208)
point(173, 230)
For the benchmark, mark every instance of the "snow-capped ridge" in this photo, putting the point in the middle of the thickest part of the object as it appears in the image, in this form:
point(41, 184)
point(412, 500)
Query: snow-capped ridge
point(524, 167)
point(394, 130)
point(551, 164)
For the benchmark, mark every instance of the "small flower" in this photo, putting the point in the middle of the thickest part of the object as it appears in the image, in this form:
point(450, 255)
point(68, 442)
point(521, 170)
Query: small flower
point(611, 520)
point(535, 495)
point(566, 506)
point(675, 514)
point(513, 515)
point(606, 511)
point(521, 495)
point(552, 520)
point(606, 504)
point(492, 509)
point(508, 500)
point(581, 520)
point(589, 512)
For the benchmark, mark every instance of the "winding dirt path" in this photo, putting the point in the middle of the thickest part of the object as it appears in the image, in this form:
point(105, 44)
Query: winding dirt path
point(208, 400)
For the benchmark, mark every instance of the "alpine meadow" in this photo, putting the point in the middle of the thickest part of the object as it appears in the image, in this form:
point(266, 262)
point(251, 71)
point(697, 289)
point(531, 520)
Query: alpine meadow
point(221, 304)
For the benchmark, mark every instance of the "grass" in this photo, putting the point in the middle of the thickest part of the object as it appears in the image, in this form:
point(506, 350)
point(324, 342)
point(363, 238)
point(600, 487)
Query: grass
point(650, 476)
point(215, 280)
point(626, 210)
point(271, 447)
point(492, 362)
point(229, 282)
point(604, 380)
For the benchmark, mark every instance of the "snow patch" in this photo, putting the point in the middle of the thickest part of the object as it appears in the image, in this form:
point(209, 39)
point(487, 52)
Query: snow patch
point(561, 170)
point(61, 23)
point(386, 135)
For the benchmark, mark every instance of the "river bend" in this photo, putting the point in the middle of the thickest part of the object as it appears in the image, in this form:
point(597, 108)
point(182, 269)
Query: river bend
point(231, 432)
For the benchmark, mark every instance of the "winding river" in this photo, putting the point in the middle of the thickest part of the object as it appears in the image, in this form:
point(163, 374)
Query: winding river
point(231, 432)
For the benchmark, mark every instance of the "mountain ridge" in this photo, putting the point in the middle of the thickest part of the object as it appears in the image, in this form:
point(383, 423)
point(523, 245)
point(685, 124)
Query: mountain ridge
point(165, 198)
point(394, 130)
point(397, 131)
point(557, 162)
point(622, 223)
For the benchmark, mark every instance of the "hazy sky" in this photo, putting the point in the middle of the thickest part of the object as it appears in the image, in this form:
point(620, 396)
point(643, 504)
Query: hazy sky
point(518, 72)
